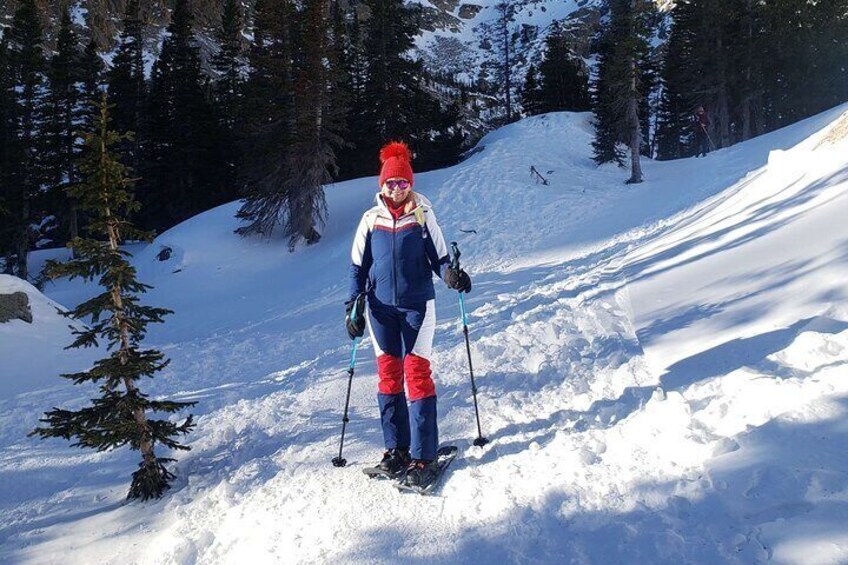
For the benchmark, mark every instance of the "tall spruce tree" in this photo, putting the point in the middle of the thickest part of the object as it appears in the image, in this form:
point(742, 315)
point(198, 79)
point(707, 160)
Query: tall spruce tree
point(8, 155)
point(353, 68)
point(675, 135)
point(228, 84)
point(747, 82)
point(318, 113)
point(531, 92)
point(606, 107)
point(185, 170)
point(564, 82)
point(227, 65)
point(91, 82)
point(301, 59)
point(67, 106)
point(619, 91)
point(268, 109)
point(26, 133)
point(392, 90)
point(121, 414)
point(127, 85)
point(504, 40)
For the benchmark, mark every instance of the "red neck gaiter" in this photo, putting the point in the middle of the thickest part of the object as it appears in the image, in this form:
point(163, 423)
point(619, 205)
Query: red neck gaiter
point(396, 210)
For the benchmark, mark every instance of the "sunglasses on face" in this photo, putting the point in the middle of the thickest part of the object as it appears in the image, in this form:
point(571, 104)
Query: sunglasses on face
point(401, 184)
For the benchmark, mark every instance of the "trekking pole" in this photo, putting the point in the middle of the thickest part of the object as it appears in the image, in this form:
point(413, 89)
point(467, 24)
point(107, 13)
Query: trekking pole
point(480, 441)
point(341, 461)
point(710, 139)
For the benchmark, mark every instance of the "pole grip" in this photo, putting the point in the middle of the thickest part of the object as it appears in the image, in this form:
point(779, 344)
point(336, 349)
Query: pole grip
point(456, 254)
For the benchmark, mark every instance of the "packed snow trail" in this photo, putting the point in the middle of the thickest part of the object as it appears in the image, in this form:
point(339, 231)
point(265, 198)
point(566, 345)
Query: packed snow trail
point(661, 372)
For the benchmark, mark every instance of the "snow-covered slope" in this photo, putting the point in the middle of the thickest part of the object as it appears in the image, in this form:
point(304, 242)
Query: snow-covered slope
point(31, 353)
point(661, 370)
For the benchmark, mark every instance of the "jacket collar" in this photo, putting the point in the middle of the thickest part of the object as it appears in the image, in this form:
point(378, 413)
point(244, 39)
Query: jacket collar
point(415, 201)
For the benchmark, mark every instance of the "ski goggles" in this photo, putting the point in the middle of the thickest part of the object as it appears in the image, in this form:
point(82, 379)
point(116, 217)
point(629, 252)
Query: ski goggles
point(400, 184)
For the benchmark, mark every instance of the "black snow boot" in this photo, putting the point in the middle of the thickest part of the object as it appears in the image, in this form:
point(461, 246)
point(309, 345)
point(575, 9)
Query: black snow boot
point(394, 461)
point(421, 473)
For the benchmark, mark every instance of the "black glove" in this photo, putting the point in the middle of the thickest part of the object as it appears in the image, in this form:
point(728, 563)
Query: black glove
point(457, 279)
point(355, 317)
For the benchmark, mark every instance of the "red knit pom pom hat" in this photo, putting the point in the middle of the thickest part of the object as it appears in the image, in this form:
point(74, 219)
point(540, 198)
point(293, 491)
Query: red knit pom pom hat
point(395, 157)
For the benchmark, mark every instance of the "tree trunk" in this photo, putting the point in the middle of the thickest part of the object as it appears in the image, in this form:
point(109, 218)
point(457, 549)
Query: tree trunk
point(22, 270)
point(722, 99)
point(507, 66)
point(635, 130)
point(633, 108)
point(121, 324)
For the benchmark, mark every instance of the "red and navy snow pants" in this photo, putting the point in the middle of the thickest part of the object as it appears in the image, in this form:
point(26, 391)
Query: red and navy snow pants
point(403, 341)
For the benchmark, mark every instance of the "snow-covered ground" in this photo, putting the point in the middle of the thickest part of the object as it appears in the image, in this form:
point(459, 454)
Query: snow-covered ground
point(662, 372)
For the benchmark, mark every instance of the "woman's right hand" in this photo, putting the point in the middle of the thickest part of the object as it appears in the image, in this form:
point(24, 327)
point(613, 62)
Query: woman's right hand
point(355, 317)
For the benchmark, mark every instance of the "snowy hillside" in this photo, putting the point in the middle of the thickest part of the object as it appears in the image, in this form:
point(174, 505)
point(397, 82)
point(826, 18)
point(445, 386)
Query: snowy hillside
point(662, 372)
point(31, 352)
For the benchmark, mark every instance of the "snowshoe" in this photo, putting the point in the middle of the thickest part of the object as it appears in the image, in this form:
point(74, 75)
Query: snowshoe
point(392, 466)
point(423, 477)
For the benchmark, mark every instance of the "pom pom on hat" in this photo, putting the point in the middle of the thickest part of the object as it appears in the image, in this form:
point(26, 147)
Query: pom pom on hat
point(397, 149)
point(395, 157)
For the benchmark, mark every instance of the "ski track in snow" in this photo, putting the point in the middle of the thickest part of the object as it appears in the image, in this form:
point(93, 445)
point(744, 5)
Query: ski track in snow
point(617, 436)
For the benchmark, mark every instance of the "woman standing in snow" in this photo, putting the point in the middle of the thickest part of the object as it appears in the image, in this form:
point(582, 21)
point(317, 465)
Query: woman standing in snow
point(397, 248)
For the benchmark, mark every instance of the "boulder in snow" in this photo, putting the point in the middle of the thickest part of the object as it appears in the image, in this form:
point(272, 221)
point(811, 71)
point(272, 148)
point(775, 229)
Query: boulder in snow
point(15, 306)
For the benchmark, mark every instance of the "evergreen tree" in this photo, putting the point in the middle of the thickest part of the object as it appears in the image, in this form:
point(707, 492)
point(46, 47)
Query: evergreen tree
point(755, 66)
point(804, 56)
point(8, 155)
point(126, 84)
point(184, 165)
point(317, 114)
point(747, 83)
point(619, 90)
point(353, 72)
point(564, 84)
point(120, 416)
point(674, 130)
point(227, 65)
point(391, 86)
point(91, 83)
point(531, 93)
point(606, 107)
point(66, 109)
point(504, 40)
point(303, 59)
point(447, 138)
point(25, 132)
point(268, 110)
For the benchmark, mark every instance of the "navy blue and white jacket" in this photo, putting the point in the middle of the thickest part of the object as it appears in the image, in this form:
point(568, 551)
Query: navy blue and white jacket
point(394, 260)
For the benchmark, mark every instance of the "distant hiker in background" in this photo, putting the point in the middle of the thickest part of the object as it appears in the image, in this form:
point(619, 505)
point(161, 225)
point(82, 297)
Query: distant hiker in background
point(701, 122)
point(397, 248)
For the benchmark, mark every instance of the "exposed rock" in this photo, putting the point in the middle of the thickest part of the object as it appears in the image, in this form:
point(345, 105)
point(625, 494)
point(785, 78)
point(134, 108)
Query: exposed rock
point(437, 20)
point(445, 5)
point(469, 11)
point(15, 306)
point(582, 25)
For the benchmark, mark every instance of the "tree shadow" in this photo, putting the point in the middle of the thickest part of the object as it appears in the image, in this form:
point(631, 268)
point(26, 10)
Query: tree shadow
point(605, 413)
point(742, 352)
